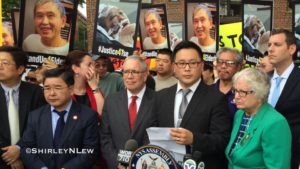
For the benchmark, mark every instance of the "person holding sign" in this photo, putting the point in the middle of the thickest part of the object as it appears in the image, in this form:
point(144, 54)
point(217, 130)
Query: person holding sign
point(153, 25)
point(202, 24)
point(49, 18)
point(7, 34)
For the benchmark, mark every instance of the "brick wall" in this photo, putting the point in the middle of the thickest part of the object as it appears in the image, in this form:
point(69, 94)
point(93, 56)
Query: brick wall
point(282, 14)
point(91, 11)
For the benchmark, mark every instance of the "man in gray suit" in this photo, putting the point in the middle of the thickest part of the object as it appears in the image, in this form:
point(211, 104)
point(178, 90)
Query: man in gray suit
point(126, 114)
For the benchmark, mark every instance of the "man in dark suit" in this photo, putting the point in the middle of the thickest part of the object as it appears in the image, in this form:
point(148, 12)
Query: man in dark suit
point(25, 98)
point(199, 112)
point(63, 134)
point(119, 122)
point(285, 85)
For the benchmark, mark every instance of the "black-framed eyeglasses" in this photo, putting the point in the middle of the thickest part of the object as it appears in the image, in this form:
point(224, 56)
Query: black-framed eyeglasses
point(132, 72)
point(192, 64)
point(242, 93)
point(226, 62)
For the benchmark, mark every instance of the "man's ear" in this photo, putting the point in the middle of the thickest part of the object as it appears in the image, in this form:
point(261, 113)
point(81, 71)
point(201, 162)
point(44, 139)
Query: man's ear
point(292, 49)
point(75, 69)
point(64, 21)
point(21, 70)
point(71, 89)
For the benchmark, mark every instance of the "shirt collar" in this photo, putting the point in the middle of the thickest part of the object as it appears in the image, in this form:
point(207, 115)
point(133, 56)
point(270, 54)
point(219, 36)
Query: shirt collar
point(15, 88)
point(286, 73)
point(139, 95)
point(192, 88)
point(67, 108)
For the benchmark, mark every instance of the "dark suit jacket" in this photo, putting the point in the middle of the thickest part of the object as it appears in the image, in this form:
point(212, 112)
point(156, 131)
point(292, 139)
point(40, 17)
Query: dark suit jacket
point(115, 130)
point(289, 106)
point(206, 116)
point(80, 132)
point(30, 97)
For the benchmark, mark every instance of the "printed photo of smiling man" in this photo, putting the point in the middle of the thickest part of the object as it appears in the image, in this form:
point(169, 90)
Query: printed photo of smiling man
point(201, 25)
point(153, 24)
point(51, 31)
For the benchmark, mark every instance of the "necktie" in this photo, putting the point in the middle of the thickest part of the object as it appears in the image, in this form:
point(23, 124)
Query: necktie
point(13, 118)
point(132, 111)
point(276, 91)
point(184, 102)
point(59, 128)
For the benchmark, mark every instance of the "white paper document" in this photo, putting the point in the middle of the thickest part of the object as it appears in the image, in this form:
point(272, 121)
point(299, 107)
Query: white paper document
point(160, 136)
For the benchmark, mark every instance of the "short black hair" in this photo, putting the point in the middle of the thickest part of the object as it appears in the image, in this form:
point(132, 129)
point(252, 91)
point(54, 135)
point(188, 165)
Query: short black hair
point(166, 51)
point(19, 56)
point(187, 45)
point(66, 75)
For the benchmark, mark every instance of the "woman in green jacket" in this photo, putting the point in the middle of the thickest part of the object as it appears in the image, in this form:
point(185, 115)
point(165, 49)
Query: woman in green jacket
point(261, 137)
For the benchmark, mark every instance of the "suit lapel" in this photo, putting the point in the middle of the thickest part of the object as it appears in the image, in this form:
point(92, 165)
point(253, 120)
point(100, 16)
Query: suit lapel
point(195, 101)
point(74, 115)
point(142, 111)
point(23, 106)
point(170, 104)
point(254, 124)
point(4, 117)
point(289, 86)
point(123, 113)
point(234, 133)
point(46, 126)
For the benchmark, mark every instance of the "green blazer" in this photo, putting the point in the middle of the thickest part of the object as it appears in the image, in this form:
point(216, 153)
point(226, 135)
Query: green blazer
point(266, 144)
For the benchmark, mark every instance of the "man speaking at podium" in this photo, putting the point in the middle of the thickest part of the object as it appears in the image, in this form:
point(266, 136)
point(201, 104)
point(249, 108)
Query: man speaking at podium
point(199, 113)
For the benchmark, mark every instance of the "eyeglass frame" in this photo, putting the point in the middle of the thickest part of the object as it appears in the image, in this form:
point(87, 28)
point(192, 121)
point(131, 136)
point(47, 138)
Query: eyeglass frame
point(228, 63)
point(182, 65)
point(242, 93)
point(132, 72)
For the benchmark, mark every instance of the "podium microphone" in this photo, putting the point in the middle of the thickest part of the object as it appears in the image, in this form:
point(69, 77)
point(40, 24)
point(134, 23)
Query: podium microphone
point(125, 155)
point(188, 162)
point(197, 156)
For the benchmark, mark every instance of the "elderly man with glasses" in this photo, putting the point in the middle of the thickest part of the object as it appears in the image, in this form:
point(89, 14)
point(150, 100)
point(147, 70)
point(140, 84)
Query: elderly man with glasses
point(229, 62)
point(126, 114)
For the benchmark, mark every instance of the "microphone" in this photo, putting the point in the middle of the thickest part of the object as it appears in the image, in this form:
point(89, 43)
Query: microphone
point(188, 162)
point(197, 155)
point(125, 155)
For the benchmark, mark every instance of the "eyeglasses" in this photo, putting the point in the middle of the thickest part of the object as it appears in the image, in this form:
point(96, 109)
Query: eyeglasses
point(192, 64)
point(242, 93)
point(5, 63)
point(48, 89)
point(32, 79)
point(132, 72)
point(226, 62)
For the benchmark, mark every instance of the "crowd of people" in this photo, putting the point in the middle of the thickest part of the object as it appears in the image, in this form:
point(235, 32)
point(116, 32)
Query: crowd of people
point(236, 117)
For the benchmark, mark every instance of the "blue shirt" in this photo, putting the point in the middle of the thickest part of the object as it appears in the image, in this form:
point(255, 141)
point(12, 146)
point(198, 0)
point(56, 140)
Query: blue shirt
point(55, 116)
point(229, 96)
